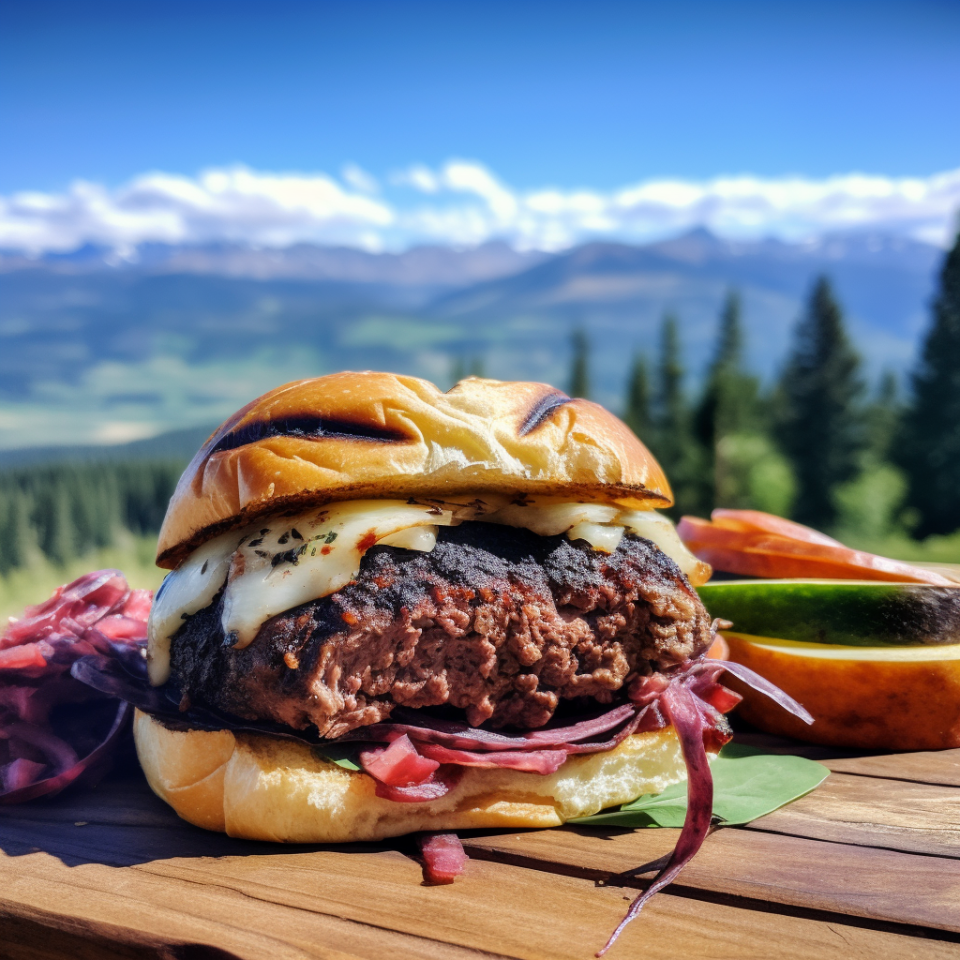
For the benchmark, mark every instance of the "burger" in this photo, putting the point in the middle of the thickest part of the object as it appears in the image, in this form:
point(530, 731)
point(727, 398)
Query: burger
point(393, 609)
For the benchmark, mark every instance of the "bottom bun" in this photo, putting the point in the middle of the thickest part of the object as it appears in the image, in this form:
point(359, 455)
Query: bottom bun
point(263, 788)
point(871, 698)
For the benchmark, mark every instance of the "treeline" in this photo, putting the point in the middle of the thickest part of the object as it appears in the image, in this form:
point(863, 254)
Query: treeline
point(68, 510)
point(817, 445)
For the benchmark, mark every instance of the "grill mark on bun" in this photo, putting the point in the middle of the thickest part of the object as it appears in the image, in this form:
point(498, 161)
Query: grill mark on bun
point(307, 428)
point(542, 410)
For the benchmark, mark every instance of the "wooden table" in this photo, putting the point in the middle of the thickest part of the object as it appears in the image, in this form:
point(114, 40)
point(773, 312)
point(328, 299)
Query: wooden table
point(868, 866)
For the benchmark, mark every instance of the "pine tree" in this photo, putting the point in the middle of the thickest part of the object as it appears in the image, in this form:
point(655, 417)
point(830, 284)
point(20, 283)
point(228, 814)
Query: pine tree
point(675, 446)
point(729, 401)
point(6, 516)
point(580, 366)
point(61, 540)
point(821, 429)
point(108, 507)
point(883, 417)
point(638, 415)
point(930, 440)
point(138, 496)
point(671, 415)
point(84, 507)
point(16, 535)
point(20, 538)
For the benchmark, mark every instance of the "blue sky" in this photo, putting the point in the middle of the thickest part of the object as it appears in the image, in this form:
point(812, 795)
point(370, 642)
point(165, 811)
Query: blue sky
point(590, 97)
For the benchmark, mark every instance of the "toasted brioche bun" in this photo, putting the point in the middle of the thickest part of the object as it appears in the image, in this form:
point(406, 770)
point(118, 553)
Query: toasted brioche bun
point(262, 788)
point(349, 436)
point(871, 698)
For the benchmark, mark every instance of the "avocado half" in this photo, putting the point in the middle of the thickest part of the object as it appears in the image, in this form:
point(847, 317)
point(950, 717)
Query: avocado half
point(844, 612)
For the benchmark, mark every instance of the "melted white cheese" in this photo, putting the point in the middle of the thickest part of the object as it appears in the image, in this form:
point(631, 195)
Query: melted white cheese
point(284, 562)
point(279, 564)
point(313, 557)
point(602, 526)
point(550, 517)
point(658, 529)
point(423, 539)
point(191, 587)
point(602, 537)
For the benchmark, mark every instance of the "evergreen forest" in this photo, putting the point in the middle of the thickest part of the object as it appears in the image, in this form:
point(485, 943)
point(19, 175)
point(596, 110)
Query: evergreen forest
point(60, 513)
point(876, 465)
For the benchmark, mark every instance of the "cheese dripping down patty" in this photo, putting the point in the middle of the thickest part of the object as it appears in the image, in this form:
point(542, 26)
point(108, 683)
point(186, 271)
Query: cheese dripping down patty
point(285, 561)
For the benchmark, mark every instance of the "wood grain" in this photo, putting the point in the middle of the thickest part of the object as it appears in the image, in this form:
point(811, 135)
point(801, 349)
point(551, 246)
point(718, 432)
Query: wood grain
point(334, 905)
point(132, 908)
point(837, 878)
point(112, 873)
point(893, 814)
point(941, 767)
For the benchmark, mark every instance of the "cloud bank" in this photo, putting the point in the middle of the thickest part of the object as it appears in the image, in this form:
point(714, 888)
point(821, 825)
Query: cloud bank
point(463, 203)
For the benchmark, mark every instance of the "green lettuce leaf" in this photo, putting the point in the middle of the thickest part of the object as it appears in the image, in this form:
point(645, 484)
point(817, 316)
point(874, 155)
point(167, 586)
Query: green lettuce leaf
point(345, 757)
point(747, 784)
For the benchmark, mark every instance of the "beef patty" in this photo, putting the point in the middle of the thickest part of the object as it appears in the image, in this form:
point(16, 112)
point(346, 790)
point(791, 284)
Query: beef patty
point(496, 621)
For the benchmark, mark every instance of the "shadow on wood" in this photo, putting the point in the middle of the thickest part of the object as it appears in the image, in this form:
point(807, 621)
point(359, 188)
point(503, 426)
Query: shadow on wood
point(120, 823)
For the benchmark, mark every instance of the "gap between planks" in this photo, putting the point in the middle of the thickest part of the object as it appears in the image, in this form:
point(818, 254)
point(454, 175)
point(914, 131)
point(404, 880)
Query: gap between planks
point(496, 910)
point(883, 814)
point(798, 873)
point(697, 894)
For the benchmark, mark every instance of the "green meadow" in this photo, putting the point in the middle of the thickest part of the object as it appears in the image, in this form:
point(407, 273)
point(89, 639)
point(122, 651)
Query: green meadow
point(25, 586)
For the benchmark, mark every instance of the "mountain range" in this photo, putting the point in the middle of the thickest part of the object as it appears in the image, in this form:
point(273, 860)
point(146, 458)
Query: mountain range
point(101, 346)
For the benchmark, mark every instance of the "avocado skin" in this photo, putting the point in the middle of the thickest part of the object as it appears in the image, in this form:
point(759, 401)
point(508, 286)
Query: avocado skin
point(849, 613)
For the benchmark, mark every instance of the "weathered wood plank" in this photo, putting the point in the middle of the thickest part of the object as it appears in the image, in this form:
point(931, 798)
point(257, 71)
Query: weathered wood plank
point(937, 767)
point(135, 881)
point(88, 853)
point(134, 909)
point(842, 879)
point(893, 814)
point(495, 910)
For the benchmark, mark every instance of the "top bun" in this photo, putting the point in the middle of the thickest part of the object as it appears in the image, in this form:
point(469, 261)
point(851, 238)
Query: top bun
point(348, 436)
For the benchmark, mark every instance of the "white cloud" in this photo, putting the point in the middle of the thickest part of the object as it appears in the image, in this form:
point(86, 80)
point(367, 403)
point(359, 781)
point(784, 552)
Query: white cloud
point(472, 178)
point(358, 178)
point(234, 204)
point(790, 207)
point(419, 177)
point(463, 203)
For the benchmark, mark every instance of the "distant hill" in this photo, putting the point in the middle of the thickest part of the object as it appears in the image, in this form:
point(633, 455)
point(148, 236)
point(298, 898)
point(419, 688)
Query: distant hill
point(173, 445)
point(427, 266)
point(96, 348)
point(621, 291)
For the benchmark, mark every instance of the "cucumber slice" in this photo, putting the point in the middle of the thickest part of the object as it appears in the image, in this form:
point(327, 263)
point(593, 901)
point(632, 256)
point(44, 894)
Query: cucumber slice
point(857, 613)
